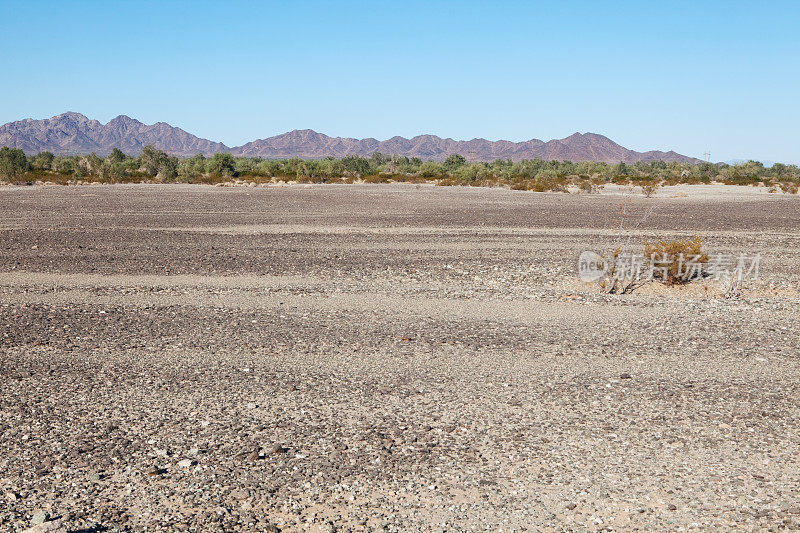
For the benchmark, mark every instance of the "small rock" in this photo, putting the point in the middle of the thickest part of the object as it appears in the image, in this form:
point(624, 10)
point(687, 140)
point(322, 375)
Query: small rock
point(571, 506)
point(40, 517)
point(672, 507)
point(12, 496)
point(186, 463)
point(54, 526)
point(240, 494)
point(625, 375)
point(154, 471)
point(278, 449)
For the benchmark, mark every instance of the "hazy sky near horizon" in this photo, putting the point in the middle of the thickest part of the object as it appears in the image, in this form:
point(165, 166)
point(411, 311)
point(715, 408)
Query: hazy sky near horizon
point(718, 76)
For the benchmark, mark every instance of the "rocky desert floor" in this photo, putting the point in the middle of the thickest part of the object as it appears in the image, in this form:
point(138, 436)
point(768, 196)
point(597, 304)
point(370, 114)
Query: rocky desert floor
point(390, 358)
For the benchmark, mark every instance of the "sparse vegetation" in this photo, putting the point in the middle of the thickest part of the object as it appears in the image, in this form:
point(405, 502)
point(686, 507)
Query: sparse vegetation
point(588, 186)
point(621, 273)
point(676, 262)
point(649, 189)
point(618, 277)
point(527, 175)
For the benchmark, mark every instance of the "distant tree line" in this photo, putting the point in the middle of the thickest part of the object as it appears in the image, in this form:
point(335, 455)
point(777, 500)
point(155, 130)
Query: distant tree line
point(534, 174)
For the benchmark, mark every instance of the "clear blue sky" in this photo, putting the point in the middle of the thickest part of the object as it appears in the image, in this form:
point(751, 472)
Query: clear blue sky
point(693, 76)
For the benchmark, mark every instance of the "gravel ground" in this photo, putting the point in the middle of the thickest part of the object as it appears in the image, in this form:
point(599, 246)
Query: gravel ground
point(389, 357)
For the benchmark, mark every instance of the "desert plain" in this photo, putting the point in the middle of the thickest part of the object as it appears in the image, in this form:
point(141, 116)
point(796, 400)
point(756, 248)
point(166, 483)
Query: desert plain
point(390, 358)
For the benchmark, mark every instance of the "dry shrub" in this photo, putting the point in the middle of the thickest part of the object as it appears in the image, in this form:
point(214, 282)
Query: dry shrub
point(589, 186)
point(550, 185)
point(407, 178)
point(541, 184)
point(676, 262)
point(649, 189)
point(206, 179)
point(788, 187)
point(492, 181)
point(311, 179)
point(33, 176)
point(376, 178)
point(618, 278)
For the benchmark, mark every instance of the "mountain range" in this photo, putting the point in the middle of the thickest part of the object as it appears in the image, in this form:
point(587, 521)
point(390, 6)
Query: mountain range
point(73, 133)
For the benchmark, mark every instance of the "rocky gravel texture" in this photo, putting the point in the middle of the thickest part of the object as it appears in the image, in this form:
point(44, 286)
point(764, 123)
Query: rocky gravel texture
point(388, 358)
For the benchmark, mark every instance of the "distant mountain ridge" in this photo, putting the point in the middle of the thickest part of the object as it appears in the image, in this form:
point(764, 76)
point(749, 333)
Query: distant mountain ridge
point(576, 147)
point(72, 133)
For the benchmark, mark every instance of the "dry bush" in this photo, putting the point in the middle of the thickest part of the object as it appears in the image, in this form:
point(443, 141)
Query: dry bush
point(310, 179)
point(622, 273)
point(676, 262)
point(589, 186)
point(376, 178)
point(493, 181)
point(205, 179)
point(618, 276)
point(649, 189)
point(551, 184)
point(34, 176)
point(788, 187)
point(541, 184)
